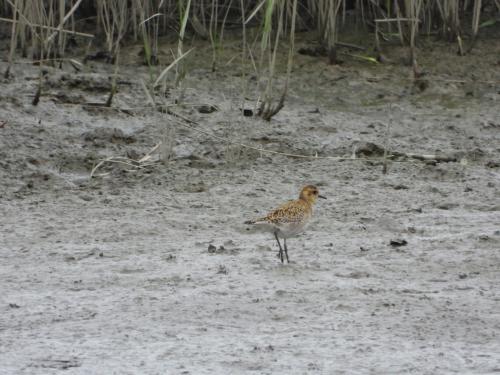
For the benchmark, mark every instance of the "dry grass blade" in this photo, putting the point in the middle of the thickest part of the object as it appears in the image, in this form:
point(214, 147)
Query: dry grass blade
point(167, 69)
point(13, 42)
point(148, 94)
point(255, 11)
point(143, 162)
point(133, 164)
point(149, 153)
point(25, 22)
point(150, 18)
point(475, 21)
point(66, 17)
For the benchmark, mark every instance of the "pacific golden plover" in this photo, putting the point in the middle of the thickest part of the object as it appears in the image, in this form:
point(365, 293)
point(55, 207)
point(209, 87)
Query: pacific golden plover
point(290, 218)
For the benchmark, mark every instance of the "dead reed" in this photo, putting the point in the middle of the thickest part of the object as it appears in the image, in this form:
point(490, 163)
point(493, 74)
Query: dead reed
point(46, 26)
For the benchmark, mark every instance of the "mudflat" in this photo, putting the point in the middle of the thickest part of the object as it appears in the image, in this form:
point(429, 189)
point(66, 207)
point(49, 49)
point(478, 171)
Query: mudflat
point(148, 268)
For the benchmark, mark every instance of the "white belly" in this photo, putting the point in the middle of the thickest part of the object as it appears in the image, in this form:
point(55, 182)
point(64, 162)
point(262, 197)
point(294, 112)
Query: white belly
point(287, 230)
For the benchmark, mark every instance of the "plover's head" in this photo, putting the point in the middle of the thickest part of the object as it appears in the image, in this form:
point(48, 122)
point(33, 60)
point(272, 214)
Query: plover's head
point(310, 193)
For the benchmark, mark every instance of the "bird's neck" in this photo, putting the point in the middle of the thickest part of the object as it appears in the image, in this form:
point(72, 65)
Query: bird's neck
point(306, 200)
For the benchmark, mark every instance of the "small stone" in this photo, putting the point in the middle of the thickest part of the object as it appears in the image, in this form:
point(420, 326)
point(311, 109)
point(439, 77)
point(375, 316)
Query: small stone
point(212, 249)
point(398, 242)
point(400, 187)
point(207, 109)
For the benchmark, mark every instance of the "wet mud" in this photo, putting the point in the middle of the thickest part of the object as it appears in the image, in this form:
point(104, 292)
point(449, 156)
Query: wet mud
point(148, 268)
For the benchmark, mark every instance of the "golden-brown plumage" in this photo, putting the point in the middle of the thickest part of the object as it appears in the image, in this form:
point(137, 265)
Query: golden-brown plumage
point(291, 212)
point(290, 218)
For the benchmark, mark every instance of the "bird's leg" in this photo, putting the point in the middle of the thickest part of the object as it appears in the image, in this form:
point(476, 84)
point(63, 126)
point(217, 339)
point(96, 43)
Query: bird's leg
point(280, 253)
point(286, 250)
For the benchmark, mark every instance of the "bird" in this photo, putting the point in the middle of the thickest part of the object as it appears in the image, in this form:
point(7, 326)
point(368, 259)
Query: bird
point(290, 218)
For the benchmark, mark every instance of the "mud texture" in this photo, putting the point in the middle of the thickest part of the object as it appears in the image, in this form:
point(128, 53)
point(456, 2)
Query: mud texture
point(147, 268)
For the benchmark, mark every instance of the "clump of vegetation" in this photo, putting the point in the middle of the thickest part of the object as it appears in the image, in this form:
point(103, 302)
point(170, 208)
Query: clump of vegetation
point(264, 25)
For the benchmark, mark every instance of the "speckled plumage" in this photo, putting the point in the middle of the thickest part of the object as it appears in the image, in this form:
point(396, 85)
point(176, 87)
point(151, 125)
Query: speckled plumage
point(290, 218)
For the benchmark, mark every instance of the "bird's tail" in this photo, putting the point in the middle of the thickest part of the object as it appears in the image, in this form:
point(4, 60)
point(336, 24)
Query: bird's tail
point(256, 221)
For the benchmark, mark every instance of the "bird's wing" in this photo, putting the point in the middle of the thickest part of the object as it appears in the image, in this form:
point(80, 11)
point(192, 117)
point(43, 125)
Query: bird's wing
point(290, 212)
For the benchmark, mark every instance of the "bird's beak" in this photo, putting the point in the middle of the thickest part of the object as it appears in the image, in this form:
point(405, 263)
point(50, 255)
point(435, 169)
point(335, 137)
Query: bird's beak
point(321, 196)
